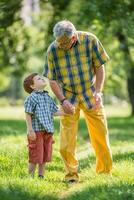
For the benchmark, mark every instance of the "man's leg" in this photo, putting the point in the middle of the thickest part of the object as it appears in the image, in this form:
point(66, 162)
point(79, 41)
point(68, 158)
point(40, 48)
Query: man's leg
point(68, 136)
point(97, 126)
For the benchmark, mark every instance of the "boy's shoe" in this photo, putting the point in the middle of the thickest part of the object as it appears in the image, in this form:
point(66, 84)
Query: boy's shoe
point(41, 176)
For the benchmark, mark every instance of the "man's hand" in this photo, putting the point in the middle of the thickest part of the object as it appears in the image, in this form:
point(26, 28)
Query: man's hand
point(68, 107)
point(31, 134)
point(98, 99)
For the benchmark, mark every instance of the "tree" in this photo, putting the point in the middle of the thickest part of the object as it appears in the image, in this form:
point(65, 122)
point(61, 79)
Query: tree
point(22, 45)
point(119, 16)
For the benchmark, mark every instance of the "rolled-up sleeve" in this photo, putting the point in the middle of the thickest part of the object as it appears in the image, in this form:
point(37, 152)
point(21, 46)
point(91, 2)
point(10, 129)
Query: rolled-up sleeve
point(99, 55)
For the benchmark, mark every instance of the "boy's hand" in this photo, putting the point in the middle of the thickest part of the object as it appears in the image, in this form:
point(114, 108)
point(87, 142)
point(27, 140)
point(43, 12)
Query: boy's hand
point(31, 134)
point(60, 112)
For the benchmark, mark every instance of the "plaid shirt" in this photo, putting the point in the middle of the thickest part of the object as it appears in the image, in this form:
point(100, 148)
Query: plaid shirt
point(74, 69)
point(42, 107)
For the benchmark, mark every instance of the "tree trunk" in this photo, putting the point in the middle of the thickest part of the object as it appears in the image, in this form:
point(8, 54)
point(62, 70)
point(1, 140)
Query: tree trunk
point(130, 67)
point(130, 84)
point(16, 89)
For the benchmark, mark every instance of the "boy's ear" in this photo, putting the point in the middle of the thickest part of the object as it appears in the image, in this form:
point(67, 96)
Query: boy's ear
point(32, 86)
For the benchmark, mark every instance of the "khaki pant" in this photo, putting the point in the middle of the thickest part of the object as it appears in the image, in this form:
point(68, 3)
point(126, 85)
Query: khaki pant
point(97, 127)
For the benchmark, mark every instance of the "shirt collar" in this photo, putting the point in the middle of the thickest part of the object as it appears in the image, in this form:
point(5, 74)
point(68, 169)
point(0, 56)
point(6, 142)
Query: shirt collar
point(78, 39)
point(40, 91)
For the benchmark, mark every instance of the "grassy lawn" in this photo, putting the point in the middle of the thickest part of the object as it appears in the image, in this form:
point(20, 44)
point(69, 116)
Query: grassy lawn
point(15, 184)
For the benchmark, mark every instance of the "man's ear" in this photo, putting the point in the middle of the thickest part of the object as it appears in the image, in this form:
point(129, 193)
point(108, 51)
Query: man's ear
point(74, 37)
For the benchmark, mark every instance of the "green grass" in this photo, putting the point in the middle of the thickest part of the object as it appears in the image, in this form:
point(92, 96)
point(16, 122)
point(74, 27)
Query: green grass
point(15, 184)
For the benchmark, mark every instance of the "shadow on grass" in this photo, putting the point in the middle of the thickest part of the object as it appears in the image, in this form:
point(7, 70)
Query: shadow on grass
point(120, 128)
point(17, 127)
point(18, 193)
point(12, 127)
point(121, 122)
point(121, 191)
point(123, 156)
point(90, 160)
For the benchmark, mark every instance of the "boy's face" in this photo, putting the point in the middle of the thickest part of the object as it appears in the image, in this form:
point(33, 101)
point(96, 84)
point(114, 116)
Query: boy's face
point(38, 83)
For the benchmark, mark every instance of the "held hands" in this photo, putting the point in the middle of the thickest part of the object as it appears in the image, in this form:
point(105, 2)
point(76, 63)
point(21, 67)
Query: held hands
point(60, 112)
point(68, 107)
point(31, 134)
point(98, 99)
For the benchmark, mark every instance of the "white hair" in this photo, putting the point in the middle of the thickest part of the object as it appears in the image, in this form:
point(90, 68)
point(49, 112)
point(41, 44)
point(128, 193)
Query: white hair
point(64, 27)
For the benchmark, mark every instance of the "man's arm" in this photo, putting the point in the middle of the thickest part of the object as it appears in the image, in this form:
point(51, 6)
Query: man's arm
point(67, 106)
point(56, 89)
point(31, 133)
point(100, 77)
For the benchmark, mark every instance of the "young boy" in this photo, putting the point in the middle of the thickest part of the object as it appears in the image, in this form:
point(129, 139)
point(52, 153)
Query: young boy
point(39, 109)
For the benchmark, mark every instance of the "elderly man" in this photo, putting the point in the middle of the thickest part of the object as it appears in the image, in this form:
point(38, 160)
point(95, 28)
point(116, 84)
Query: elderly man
point(75, 68)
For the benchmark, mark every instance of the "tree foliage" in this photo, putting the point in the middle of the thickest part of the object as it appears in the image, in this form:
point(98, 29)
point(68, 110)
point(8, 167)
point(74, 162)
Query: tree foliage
point(22, 47)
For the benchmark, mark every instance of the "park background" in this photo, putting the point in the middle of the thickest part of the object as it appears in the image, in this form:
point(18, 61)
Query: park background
point(25, 33)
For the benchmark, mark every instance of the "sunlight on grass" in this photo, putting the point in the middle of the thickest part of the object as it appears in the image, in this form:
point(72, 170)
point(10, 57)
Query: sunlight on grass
point(18, 112)
point(12, 113)
point(118, 110)
point(15, 183)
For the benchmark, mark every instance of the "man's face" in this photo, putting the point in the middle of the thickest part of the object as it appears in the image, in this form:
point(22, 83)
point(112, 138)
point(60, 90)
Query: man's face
point(65, 42)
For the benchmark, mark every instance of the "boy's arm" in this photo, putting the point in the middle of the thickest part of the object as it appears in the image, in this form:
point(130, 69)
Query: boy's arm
point(31, 133)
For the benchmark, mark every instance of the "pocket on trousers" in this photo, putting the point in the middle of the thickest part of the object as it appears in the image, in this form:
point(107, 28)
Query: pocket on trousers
point(32, 144)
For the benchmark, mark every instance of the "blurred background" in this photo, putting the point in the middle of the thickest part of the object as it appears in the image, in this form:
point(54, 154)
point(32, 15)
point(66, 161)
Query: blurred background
point(26, 31)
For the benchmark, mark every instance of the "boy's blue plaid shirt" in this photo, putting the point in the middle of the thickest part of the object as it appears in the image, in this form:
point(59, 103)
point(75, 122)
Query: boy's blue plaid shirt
point(41, 107)
point(74, 69)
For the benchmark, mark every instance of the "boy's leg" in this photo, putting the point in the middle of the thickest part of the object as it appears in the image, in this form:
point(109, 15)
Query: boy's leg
point(41, 170)
point(31, 169)
point(48, 147)
point(45, 141)
point(32, 156)
point(35, 152)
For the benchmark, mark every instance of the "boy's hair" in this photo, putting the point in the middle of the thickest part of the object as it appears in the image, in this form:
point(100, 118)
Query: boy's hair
point(28, 81)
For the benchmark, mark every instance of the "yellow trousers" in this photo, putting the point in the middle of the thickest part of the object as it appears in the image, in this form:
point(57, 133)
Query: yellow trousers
point(97, 128)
